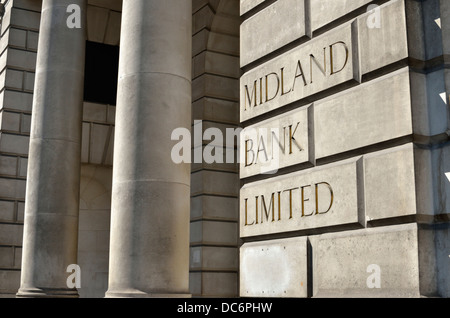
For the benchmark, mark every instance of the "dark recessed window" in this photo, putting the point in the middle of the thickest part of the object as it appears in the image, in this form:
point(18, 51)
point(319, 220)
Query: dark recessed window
point(102, 68)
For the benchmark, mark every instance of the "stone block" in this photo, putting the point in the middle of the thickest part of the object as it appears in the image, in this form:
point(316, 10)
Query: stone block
point(20, 211)
point(17, 257)
point(10, 282)
point(326, 11)
point(3, 78)
point(275, 268)
point(3, 62)
point(26, 19)
point(276, 143)
point(9, 121)
point(212, 207)
point(112, 36)
point(97, 19)
point(389, 183)
point(220, 161)
point(25, 125)
point(20, 59)
point(224, 43)
point(314, 198)
point(208, 258)
point(11, 235)
point(17, 100)
point(115, 5)
point(14, 144)
point(7, 211)
point(205, 182)
point(213, 284)
point(385, 43)
point(94, 112)
point(14, 79)
point(6, 257)
point(12, 188)
point(98, 142)
point(28, 5)
point(199, 42)
point(198, 4)
point(376, 262)
point(214, 233)
point(318, 65)
point(220, 284)
point(202, 19)
point(28, 82)
point(217, 110)
point(272, 28)
point(226, 23)
point(364, 115)
point(23, 167)
point(111, 115)
point(212, 133)
point(215, 86)
point(8, 166)
point(195, 283)
point(32, 41)
point(247, 5)
point(222, 64)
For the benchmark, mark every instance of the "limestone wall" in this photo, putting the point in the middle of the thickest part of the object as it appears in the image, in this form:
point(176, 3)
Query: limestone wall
point(350, 168)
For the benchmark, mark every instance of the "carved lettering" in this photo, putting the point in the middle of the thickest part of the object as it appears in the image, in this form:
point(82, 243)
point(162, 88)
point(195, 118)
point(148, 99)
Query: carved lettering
point(268, 144)
point(311, 198)
point(275, 84)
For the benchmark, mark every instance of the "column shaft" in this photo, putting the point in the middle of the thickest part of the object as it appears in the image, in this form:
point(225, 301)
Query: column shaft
point(52, 195)
point(149, 254)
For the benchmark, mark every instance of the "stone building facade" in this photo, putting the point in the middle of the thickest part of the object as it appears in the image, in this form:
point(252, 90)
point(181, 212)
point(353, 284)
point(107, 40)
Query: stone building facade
point(341, 186)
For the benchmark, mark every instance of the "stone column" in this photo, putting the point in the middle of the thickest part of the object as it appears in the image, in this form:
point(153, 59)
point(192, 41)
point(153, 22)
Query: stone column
point(149, 254)
point(52, 195)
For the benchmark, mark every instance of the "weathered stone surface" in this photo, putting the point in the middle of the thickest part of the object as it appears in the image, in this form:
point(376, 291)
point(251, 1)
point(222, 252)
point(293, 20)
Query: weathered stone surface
point(389, 183)
point(326, 11)
point(213, 258)
point(364, 115)
point(275, 143)
point(274, 268)
point(317, 65)
point(275, 26)
point(214, 284)
point(351, 264)
point(214, 233)
point(406, 180)
point(247, 5)
point(212, 207)
point(384, 42)
point(309, 199)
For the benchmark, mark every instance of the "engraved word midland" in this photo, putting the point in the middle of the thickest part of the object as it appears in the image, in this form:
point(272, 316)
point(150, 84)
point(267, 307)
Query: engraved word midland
point(276, 83)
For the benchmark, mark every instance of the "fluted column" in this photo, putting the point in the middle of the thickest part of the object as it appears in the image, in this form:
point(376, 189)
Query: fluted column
point(52, 195)
point(149, 254)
